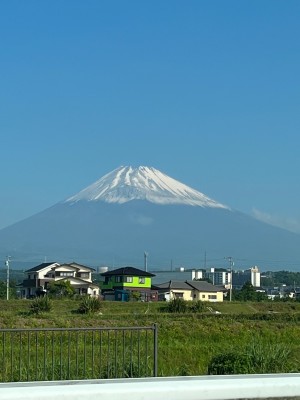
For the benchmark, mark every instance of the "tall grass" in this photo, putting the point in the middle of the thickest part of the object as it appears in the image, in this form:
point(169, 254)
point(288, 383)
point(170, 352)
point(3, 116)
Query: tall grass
point(258, 357)
point(187, 342)
point(79, 354)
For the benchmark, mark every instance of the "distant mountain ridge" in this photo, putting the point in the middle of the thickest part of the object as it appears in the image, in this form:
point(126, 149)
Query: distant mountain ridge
point(129, 211)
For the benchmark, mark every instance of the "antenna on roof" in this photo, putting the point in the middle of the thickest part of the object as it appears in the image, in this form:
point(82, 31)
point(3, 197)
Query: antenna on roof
point(146, 261)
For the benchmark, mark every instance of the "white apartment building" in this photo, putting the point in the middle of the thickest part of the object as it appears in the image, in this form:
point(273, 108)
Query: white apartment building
point(223, 277)
point(252, 275)
point(218, 276)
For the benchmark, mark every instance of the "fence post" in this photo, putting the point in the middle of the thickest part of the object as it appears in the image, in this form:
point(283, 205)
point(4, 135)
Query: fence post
point(155, 349)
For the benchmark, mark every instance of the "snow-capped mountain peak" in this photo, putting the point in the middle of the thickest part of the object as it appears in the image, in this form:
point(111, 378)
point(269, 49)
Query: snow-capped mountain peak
point(143, 183)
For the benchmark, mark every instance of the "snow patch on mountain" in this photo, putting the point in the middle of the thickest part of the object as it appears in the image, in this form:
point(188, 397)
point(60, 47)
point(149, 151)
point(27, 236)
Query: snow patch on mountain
point(143, 183)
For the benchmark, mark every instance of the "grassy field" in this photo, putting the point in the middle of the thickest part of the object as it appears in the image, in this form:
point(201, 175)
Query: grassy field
point(187, 342)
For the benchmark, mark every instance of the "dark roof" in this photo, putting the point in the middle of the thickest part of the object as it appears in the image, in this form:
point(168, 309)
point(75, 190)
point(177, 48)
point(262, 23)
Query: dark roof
point(40, 267)
point(77, 266)
point(201, 286)
point(128, 271)
point(174, 285)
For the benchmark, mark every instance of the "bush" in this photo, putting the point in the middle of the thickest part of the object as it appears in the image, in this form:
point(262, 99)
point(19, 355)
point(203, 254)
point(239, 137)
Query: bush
point(228, 364)
point(197, 306)
point(177, 305)
point(135, 295)
point(40, 304)
point(89, 305)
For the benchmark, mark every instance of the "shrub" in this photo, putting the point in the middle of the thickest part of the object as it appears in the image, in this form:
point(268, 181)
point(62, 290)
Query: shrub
point(135, 295)
point(228, 363)
point(197, 306)
point(177, 305)
point(40, 304)
point(89, 305)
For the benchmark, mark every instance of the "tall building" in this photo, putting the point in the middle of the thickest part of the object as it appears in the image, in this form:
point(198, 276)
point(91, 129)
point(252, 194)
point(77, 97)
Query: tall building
point(222, 277)
point(252, 275)
point(218, 276)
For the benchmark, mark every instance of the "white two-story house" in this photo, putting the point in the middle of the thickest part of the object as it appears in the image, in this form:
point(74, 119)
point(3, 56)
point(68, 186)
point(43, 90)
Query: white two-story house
point(39, 278)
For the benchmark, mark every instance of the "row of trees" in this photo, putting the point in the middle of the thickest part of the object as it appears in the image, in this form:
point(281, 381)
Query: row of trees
point(248, 293)
point(277, 278)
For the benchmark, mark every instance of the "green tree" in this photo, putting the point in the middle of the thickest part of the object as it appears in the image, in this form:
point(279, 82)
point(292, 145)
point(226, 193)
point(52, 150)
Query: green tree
point(276, 278)
point(61, 289)
point(12, 290)
point(248, 293)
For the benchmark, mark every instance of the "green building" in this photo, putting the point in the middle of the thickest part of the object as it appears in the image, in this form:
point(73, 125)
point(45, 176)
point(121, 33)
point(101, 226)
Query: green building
point(134, 282)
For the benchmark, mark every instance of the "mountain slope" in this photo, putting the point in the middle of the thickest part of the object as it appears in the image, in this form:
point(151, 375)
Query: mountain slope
point(94, 229)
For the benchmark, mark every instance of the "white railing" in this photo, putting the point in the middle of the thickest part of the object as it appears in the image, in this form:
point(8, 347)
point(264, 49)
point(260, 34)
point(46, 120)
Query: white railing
point(177, 388)
point(180, 388)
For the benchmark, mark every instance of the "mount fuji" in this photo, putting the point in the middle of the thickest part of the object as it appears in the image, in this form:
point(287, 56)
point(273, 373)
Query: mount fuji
point(133, 210)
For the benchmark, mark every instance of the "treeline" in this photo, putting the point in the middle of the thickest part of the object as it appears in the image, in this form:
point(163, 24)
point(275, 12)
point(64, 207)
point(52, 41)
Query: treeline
point(248, 293)
point(277, 278)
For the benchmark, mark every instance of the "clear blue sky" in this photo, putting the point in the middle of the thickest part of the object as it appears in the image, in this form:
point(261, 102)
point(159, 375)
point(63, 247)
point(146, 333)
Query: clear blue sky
point(206, 91)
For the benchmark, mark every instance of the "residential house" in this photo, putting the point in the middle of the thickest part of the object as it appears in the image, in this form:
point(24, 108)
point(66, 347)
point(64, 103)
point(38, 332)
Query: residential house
point(128, 280)
point(40, 277)
point(190, 290)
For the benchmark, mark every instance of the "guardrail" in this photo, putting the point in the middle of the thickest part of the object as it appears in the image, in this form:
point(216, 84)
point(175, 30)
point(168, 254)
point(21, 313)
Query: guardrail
point(77, 353)
point(281, 386)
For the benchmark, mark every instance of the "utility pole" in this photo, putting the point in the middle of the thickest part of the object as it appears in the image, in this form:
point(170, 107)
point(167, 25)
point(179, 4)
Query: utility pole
point(146, 261)
point(7, 276)
point(231, 264)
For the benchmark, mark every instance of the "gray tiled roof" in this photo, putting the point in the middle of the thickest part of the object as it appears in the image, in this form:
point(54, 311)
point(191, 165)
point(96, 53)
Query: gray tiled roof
point(201, 286)
point(174, 285)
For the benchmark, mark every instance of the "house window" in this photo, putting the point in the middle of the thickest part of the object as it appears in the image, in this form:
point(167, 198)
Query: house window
point(84, 275)
point(141, 279)
point(212, 297)
point(66, 274)
point(178, 295)
point(118, 279)
point(128, 279)
point(203, 296)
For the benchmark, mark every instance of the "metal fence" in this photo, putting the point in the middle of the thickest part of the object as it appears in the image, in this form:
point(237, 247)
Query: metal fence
point(77, 353)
